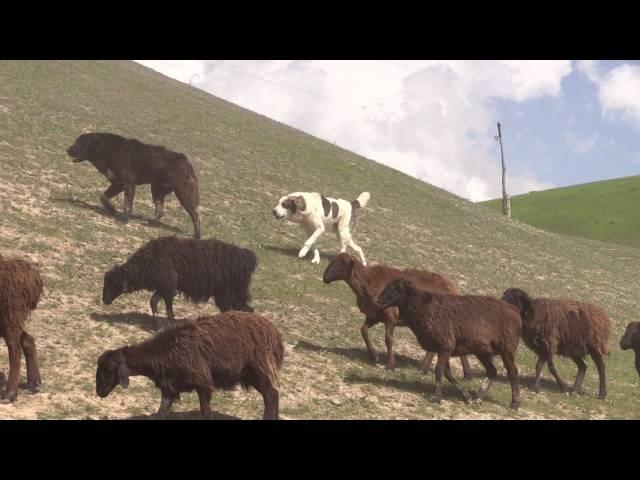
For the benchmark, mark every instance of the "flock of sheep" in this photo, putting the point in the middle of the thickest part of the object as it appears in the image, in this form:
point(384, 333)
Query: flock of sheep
point(239, 346)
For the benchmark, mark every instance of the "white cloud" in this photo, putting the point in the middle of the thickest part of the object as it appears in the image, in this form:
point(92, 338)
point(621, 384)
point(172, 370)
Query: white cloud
point(618, 89)
point(392, 112)
point(581, 144)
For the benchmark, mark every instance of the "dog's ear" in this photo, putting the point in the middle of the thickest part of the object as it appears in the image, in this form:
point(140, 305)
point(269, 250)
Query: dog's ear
point(295, 203)
point(123, 372)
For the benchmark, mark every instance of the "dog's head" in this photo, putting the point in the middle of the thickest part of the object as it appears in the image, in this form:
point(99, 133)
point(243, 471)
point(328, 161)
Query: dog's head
point(112, 370)
point(86, 147)
point(288, 205)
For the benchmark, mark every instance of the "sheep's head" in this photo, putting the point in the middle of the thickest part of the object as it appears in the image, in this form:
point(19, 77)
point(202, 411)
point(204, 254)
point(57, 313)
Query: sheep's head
point(339, 268)
point(519, 299)
point(112, 370)
point(394, 294)
point(631, 337)
point(115, 284)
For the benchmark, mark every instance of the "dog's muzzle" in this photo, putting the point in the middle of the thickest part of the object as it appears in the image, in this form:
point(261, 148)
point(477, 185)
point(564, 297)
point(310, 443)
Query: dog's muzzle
point(275, 214)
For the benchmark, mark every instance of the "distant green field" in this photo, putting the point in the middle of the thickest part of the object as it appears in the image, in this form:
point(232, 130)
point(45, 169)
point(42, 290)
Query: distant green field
point(50, 213)
point(607, 211)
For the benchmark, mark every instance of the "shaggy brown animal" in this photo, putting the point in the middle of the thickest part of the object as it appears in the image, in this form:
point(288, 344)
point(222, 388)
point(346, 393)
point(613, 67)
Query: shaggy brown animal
point(199, 269)
point(205, 354)
point(128, 162)
point(563, 327)
point(453, 325)
point(20, 291)
point(367, 282)
point(631, 340)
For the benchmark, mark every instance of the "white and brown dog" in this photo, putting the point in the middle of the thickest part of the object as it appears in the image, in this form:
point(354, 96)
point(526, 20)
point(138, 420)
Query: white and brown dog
point(316, 212)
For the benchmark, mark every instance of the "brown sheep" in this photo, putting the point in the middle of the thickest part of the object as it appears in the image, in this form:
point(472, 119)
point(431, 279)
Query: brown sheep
point(563, 327)
point(367, 282)
point(199, 269)
point(128, 162)
point(204, 354)
point(453, 325)
point(631, 340)
point(20, 291)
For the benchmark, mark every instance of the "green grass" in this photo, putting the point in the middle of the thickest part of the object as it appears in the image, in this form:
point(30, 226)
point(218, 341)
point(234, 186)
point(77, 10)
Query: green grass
point(51, 214)
point(605, 211)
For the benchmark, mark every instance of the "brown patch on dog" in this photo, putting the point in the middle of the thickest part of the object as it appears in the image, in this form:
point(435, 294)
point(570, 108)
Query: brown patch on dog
point(294, 204)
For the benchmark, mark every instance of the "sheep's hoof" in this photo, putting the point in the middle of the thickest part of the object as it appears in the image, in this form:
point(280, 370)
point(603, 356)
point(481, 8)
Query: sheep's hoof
point(33, 387)
point(536, 388)
point(602, 396)
point(390, 366)
point(435, 399)
point(514, 405)
point(9, 397)
point(575, 392)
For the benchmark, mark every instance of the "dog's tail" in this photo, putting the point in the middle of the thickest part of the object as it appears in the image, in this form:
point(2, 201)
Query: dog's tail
point(361, 201)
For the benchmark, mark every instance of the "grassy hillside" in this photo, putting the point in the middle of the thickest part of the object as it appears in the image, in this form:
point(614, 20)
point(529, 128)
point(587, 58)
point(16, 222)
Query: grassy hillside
point(50, 213)
point(606, 211)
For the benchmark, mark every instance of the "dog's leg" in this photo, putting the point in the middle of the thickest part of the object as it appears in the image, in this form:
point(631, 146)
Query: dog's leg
point(353, 245)
point(129, 192)
point(319, 230)
point(316, 256)
point(113, 190)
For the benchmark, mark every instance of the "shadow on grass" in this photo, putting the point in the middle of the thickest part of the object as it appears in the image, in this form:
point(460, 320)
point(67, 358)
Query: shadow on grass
point(141, 320)
point(191, 415)
point(293, 252)
point(100, 210)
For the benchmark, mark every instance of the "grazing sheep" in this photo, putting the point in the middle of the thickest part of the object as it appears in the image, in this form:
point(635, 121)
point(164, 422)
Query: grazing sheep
point(20, 291)
point(204, 354)
point(367, 282)
point(459, 325)
point(631, 339)
point(199, 269)
point(563, 327)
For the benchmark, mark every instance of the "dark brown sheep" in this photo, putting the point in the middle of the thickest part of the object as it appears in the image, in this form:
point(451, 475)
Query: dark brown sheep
point(631, 340)
point(205, 354)
point(20, 291)
point(199, 269)
point(367, 282)
point(563, 327)
point(453, 325)
point(128, 162)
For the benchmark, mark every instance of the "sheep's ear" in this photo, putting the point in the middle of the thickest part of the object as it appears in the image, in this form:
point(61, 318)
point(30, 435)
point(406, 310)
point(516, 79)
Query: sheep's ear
point(125, 284)
point(123, 374)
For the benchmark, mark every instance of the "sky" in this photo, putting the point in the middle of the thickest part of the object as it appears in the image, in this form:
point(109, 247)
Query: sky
point(563, 122)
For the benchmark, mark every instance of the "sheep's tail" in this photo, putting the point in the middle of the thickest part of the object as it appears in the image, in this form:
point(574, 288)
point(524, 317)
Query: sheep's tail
point(361, 201)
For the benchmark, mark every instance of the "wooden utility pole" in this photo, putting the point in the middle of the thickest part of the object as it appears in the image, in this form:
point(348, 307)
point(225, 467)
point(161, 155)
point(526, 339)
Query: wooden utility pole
point(506, 200)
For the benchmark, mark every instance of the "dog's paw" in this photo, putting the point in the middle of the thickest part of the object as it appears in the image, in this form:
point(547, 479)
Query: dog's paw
point(303, 252)
point(316, 260)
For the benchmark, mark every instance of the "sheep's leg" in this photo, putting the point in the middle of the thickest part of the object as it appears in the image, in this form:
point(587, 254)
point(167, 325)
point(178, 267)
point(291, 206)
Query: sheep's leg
point(204, 395)
point(389, 327)
point(113, 190)
point(12, 339)
point(452, 379)
point(165, 404)
point(597, 359)
point(188, 198)
point(509, 361)
point(582, 370)
point(425, 365)
point(443, 359)
point(492, 373)
point(129, 193)
point(552, 368)
point(168, 301)
point(466, 368)
point(31, 359)
point(539, 366)
point(637, 352)
point(155, 298)
point(364, 330)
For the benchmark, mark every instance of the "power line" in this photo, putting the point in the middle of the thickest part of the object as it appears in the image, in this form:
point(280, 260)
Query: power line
point(360, 106)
